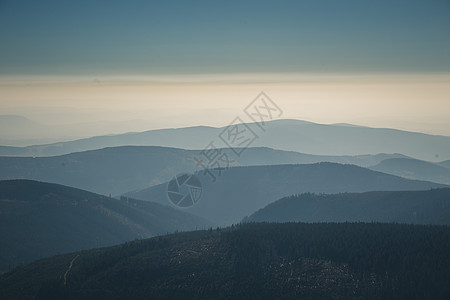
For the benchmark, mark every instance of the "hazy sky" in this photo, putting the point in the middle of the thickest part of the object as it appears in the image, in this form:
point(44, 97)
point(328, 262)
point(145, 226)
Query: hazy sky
point(98, 37)
point(180, 63)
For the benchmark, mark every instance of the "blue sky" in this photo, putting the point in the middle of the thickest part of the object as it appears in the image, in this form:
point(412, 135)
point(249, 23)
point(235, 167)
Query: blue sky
point(154, 37)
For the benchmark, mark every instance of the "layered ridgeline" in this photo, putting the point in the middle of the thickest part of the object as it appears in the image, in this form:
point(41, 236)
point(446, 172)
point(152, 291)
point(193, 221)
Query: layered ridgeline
point(240, 191)
point(445, 163)
point(294, 135)
point(251, 261)
point(41, 219)
point(121, 169)
point(416, 207)
point(415, 169)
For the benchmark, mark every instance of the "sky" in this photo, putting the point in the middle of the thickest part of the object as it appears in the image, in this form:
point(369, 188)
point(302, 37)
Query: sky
point(181, 63)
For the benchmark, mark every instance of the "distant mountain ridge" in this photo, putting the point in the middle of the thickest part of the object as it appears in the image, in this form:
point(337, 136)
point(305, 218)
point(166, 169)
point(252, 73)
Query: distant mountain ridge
point(19, 131)
point(445, 164)
point(413, 207)
point(118, 170)
point(40, 219)
point(290, 135)
point(240, 191)
point(414, 169)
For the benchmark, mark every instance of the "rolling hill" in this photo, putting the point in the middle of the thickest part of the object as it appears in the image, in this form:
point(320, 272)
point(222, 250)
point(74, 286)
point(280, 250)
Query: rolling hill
point(240, 191)
point(414, 169)
point(251, 261)
point(290, 135)
point(105, 171)
point(118, 170)
point(445, 164)
point(416, 207)
point(40, 219)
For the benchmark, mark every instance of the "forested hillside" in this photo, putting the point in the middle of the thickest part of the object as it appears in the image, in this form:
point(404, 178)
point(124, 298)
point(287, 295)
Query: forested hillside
point(414, 207)
point(240, 191)
point(252, 261)
point(41, 219)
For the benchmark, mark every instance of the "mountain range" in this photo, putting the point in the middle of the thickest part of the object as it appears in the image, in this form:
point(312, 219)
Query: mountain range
point(118, 170)
point(19, 131)
point(240, 191)
point(412, 207)
point(41, 219)
point(290, 135)
point(414, 169)
point(106, 190)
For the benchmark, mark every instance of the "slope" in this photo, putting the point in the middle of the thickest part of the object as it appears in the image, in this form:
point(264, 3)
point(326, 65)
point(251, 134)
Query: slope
point(40, 219)
point(445, 164)
point(414, 169)
point(291, 135)
point(417, 207)
point(252, 261)
point(240, 191)
point(121, 169)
